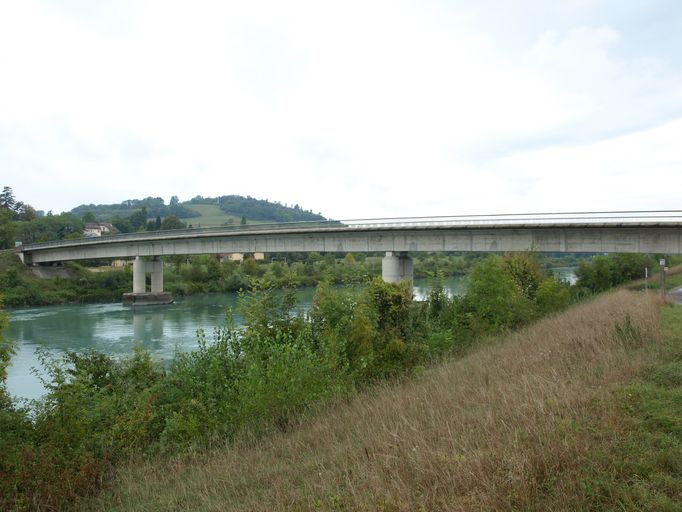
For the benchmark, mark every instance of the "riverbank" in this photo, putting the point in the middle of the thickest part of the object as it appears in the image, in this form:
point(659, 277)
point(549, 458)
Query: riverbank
point(20, 287)
point(533, 421)
point(278, 368)
point(77, 284)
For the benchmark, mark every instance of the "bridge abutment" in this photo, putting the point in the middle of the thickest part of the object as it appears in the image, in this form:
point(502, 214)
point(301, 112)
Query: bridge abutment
point(397, 268)
point(140, 296)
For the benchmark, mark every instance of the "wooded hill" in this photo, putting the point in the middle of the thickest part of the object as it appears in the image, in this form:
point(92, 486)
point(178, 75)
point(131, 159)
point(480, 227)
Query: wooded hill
point(204, 211)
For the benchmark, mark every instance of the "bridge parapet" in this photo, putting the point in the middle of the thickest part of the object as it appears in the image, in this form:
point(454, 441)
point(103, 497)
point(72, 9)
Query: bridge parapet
point(616, 218)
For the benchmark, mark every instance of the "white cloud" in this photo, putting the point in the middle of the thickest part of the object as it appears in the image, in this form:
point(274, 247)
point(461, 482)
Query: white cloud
point(351, 109)
point(630, 172)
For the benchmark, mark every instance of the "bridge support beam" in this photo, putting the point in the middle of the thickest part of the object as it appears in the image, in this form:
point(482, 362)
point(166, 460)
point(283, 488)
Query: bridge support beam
point(397, 268)
point(140, 296)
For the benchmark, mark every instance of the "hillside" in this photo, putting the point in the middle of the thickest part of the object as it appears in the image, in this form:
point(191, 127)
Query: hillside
point(554, 417)
point(201, 211)
point(232, 208)
point(155, 206)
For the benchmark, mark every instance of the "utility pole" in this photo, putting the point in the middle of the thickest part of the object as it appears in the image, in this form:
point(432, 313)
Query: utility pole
point(662, 264)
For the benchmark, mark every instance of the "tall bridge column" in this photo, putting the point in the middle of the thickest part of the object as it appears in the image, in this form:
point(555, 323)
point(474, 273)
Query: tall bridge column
point(139, 275)
point(140, 296)
point(156, 269)
point(395, 269)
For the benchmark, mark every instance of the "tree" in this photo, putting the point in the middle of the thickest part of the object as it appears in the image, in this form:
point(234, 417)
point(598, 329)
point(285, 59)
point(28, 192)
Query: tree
point(7, 229)
point(494, 298)
point(596, 275)
point(7, 200)
point(122, 224)
point(89, 217)
point(172, 222)
point(552, 295)
point(603, 272)
point(243, 221)
point(524, 269)
point(6, 351)
point(138, 220)
point(26, 212)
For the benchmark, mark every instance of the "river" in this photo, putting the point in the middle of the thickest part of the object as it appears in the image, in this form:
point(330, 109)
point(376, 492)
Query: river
point(115, 329)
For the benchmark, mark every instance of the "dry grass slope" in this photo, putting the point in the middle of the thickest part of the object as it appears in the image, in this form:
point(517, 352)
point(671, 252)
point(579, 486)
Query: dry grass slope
point(505, 428)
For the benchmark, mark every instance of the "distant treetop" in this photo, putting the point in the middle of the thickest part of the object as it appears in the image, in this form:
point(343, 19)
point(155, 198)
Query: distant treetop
point(248, 207)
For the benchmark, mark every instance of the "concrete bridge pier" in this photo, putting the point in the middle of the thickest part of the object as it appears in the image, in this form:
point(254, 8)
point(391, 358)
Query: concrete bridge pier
point(397, 268)
point(139, 275)
point(140, 296)
point(156, 269)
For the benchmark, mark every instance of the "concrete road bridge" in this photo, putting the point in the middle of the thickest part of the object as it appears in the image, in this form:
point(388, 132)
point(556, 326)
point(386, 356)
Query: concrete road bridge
point(597, 232)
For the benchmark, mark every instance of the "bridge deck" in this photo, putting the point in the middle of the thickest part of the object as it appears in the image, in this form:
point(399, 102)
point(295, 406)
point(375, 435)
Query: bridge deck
point(644, 232)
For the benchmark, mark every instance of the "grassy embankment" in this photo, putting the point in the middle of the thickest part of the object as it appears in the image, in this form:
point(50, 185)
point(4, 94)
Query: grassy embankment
point(580, 411)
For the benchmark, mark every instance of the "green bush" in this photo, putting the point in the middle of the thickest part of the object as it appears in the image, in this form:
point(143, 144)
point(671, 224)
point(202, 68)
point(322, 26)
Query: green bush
point(552, 296)
point(604, 272)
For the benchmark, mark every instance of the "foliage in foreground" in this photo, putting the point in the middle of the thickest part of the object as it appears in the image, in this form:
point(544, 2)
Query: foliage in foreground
point(279, 367)
point(537, 420)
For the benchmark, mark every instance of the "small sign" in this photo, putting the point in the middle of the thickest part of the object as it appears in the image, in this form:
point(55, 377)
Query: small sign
point(662, 262)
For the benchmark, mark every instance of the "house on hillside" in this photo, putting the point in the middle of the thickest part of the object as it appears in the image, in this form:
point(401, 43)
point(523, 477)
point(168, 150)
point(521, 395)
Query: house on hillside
point(94, 229)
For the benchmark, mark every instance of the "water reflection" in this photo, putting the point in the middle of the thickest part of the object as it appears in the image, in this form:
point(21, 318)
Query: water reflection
point(109, 328)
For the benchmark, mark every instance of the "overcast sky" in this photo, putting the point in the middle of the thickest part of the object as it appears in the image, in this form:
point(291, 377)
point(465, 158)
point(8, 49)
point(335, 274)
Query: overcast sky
point(351, 109)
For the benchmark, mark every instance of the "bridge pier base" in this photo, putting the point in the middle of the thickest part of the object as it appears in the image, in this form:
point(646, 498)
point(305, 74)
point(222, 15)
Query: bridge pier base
point(395, 269)
point(140, 296)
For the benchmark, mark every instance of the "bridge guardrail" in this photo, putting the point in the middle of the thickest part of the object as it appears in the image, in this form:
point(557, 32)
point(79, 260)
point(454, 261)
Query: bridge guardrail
point(522, 219)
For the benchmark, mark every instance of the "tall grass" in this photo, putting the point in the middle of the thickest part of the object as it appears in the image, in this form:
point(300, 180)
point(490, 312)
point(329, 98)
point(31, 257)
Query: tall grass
point(511, 426)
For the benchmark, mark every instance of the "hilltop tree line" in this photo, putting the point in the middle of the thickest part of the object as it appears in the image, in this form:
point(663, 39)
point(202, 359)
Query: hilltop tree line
point(239, 206)
point(153, 206)
point(258, 209)
point(20, 222)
